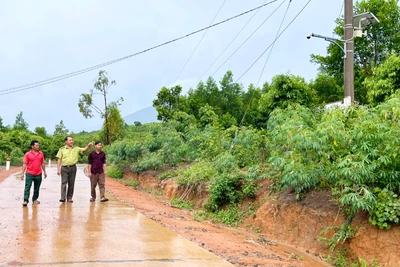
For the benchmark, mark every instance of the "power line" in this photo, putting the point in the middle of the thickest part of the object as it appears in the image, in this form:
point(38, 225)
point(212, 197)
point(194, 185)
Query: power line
point(273, 12)
point(272, 48)
point(276, 38)
point(75, 73)
point(201, 39)
point(290, 23)
point(226, 48)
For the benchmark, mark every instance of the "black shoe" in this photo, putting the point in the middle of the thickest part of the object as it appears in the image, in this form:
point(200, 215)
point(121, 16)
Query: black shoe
point(103, 199)
point(62, 200)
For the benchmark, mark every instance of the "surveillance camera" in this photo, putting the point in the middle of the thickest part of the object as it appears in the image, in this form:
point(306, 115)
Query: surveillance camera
point(309, 36)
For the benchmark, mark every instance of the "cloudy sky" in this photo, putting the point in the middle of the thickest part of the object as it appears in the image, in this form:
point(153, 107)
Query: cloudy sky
point(44, 39)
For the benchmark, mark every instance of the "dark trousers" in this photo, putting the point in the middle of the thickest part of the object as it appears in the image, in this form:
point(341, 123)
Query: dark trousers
point(98, 179)
point(68, 175)
point(37, 180)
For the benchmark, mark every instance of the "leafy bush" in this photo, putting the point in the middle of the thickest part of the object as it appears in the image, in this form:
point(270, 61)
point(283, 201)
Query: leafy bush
point(196, 174)
point(16, 157)
point(168, 174)
point(386, 210)
point(153, 161)
point(181, 203)
point(223, 190)
point(133, 183)
point(3, 158)
point(114, 172)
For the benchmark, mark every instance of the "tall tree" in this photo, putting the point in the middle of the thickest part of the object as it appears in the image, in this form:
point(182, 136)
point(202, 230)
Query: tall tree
point(169, 101)
point(116, 124)
point(20, 123)
point(382, 39)
point(384, 81)
point(286, 89)
point(41, 131)
point(87, 106)
point(60, 129)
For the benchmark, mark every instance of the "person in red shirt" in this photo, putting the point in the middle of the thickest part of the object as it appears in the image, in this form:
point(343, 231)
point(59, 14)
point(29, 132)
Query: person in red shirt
point(96, 171)
point(32, 172)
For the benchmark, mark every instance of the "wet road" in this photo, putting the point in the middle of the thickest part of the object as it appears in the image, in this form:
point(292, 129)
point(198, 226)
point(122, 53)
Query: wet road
point(86, 233)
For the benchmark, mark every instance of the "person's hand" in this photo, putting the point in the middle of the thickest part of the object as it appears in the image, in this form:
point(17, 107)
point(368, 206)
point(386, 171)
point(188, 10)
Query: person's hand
point(45, 175)
point(58, 172)
point(22, 176)
point(90, 175)
point(90, 144)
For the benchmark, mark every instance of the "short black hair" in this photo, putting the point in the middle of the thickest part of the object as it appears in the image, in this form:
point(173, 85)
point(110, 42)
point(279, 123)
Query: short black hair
point(98, 142)
point(66, 138)
point(33, 142)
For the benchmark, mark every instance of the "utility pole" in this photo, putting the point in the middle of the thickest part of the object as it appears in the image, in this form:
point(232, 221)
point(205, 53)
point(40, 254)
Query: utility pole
point(349, 48)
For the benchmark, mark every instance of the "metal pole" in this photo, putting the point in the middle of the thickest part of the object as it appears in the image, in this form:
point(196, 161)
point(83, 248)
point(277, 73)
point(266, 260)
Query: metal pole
point(349, 47)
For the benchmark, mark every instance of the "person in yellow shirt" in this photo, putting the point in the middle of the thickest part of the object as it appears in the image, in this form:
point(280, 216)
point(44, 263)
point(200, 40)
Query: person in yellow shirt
point(68, 157)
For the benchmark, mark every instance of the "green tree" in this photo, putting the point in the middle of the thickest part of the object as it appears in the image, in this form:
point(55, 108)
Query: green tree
point(286, 89)
point(60, 129)
point(87, 106)
point(41, 131)
point(230, 100)
point(169, 101)
point(382, 39)
point(326, 88)
point(116, 124)
point(20, 123)
point(384, 81)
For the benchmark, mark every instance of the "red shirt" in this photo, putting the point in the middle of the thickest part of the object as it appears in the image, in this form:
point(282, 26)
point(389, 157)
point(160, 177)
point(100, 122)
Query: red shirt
point(34, 162)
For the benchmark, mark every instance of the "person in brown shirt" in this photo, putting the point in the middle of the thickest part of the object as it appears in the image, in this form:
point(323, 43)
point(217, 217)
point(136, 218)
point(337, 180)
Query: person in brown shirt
point(97, 171)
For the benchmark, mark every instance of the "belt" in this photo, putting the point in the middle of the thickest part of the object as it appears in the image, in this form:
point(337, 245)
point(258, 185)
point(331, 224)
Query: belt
point(68, 166)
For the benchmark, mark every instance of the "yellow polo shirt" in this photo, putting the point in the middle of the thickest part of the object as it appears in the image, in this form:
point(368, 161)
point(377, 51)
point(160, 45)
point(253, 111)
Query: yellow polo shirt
point(69, 156)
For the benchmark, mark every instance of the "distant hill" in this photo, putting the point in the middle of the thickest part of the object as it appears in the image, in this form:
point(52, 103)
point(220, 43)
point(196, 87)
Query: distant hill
point(145, 115)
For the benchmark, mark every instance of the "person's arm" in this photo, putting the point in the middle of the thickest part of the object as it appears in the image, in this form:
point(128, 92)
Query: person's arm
point(23, 170)
point(89, 172)
point(59, 166)
point(44, 169)
point(59, 161)
point(104, 165)
point(87, 147)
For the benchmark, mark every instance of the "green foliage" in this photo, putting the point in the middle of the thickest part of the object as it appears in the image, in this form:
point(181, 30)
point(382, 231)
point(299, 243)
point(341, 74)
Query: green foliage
point(386, 210)
point(168, 102)
point(133, 183)
point(384, 81)
point(3, 158)
point(87, 105)
point(197, 173)
point(223, 190)
point(115, 172)
point(181, 203)
point(20, 124)
point(341, 234)
point(60, 129)
point(168, 174)
point(363, 263)
point(382, 40)
point(286, 89)
point(153, 161)
point(16, 157)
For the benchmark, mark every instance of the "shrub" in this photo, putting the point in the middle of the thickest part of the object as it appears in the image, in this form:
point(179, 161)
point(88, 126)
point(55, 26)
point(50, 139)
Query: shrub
point(114, 172)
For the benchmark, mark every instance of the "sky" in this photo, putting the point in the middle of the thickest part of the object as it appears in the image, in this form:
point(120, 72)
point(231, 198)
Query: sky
point(44, 39)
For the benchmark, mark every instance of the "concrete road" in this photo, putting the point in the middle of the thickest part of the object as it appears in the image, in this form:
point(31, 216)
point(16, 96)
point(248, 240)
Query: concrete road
point(86, 233)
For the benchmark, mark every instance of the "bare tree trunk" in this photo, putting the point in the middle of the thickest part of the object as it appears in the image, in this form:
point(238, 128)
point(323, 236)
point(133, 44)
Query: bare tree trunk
point(108, 141)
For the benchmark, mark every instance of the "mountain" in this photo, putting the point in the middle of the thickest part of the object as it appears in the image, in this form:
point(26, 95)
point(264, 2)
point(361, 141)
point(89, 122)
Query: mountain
point(145, 115)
